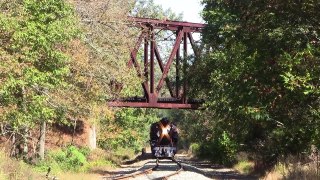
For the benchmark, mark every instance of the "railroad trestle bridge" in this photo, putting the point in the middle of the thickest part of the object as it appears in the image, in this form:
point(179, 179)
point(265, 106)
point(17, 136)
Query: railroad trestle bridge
point(178, 90)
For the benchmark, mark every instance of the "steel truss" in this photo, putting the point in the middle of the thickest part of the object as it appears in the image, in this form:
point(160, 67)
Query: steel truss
point(178, 93)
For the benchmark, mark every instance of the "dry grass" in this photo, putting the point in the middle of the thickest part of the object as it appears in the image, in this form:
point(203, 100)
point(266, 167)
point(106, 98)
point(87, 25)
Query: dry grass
point(293, 169)
point(79, 176)
point(244, 167)
point(278, 172)
point(13, 169)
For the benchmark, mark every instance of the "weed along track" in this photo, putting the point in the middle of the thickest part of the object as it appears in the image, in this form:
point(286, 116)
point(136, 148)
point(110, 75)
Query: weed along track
point(163, 169)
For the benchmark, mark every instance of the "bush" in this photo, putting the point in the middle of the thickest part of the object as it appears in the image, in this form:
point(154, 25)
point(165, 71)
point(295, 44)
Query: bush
point(194, 149)
point(98, 159)
point(74, 159)
point(220, 150)
point(244, 167)
point(68, 159)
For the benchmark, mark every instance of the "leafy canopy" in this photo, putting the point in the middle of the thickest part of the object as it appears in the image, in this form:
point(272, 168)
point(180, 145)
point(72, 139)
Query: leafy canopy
point(33, 36)
point(261, 74)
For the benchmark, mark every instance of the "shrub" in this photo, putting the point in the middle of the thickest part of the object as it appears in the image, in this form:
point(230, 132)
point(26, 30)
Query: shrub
point(244, 167)
point(70, 158)
point(74, 159)
point(220, 150)
point(99, 159)
point(194, 149)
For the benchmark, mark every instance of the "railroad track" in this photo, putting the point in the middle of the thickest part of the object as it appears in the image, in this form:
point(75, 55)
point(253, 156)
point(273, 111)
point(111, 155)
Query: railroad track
point(141, 172)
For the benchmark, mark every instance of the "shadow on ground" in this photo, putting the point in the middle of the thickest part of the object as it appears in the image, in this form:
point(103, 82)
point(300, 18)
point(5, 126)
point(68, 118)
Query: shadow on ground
point(205, 168)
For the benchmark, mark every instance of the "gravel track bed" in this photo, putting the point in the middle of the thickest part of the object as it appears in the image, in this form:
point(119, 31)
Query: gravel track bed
point(192, 169)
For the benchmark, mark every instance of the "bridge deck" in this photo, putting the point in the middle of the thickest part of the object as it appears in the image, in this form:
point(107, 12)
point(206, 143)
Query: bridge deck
point(168, 24)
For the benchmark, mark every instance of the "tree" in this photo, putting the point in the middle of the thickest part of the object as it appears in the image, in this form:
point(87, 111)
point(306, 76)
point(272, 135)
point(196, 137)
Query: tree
point(103, 73)
point(148, 9)
point(109, 39)
point(261, 75)
point(33, 63)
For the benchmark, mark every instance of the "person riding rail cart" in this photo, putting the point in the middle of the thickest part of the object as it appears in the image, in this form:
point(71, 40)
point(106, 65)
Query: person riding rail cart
point(163, 139)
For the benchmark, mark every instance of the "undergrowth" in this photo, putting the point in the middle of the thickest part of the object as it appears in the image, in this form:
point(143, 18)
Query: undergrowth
point(69, 161)
point(73, 159)
point(294, 169)
point(244, 167)
point(15, 169)
point(221, 150)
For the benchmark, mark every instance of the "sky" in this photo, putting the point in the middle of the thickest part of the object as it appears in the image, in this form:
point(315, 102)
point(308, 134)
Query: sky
point(190, 8)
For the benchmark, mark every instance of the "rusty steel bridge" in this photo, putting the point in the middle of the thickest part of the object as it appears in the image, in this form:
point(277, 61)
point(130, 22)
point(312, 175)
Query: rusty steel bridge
point(151, 54)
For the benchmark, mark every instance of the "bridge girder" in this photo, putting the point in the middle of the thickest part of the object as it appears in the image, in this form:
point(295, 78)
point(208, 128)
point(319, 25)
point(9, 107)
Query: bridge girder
point(151, 99)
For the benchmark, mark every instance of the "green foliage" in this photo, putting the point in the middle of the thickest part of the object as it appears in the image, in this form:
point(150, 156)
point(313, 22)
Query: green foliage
point(97, 159)
point(220, 150)
point(33, 36)
point(85, 151)
point(148, 9)
point(194, 148)
point(261, 74)
point(108, 39)
point(129, 129)
point(68, 159)
point(244, 167)
point(75, 157)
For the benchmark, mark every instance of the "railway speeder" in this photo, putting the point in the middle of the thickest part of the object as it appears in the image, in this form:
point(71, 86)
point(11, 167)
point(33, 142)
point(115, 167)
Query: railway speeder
point(163, 139)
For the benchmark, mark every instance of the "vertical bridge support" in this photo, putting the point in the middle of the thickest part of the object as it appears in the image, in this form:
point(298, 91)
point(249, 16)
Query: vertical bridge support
point(178, 93)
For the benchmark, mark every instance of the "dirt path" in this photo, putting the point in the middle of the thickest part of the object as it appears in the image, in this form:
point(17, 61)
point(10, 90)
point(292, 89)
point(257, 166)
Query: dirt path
point(192, 169)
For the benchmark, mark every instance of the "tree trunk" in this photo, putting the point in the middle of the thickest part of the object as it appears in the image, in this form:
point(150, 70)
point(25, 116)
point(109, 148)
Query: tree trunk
point(13, 146)
point(74, 130)
point(25, 132)
point(42, 140)
point(92, 137)
point(1, 129)
point(25, 143)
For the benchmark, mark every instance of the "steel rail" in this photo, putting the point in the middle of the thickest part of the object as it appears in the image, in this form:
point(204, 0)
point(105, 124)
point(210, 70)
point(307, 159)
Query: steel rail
point(172, 174)
point(138, 172)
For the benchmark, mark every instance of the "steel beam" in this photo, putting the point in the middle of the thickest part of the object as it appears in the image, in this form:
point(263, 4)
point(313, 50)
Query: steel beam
point(154, 105)
point(170, 60)
point(152, 61)
point(185, 56)
point(162, 69)
point(134, 61)
point(146, 58)
point(167, 24)
point(178, 70)
point(134, 51)
point(193, 45)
